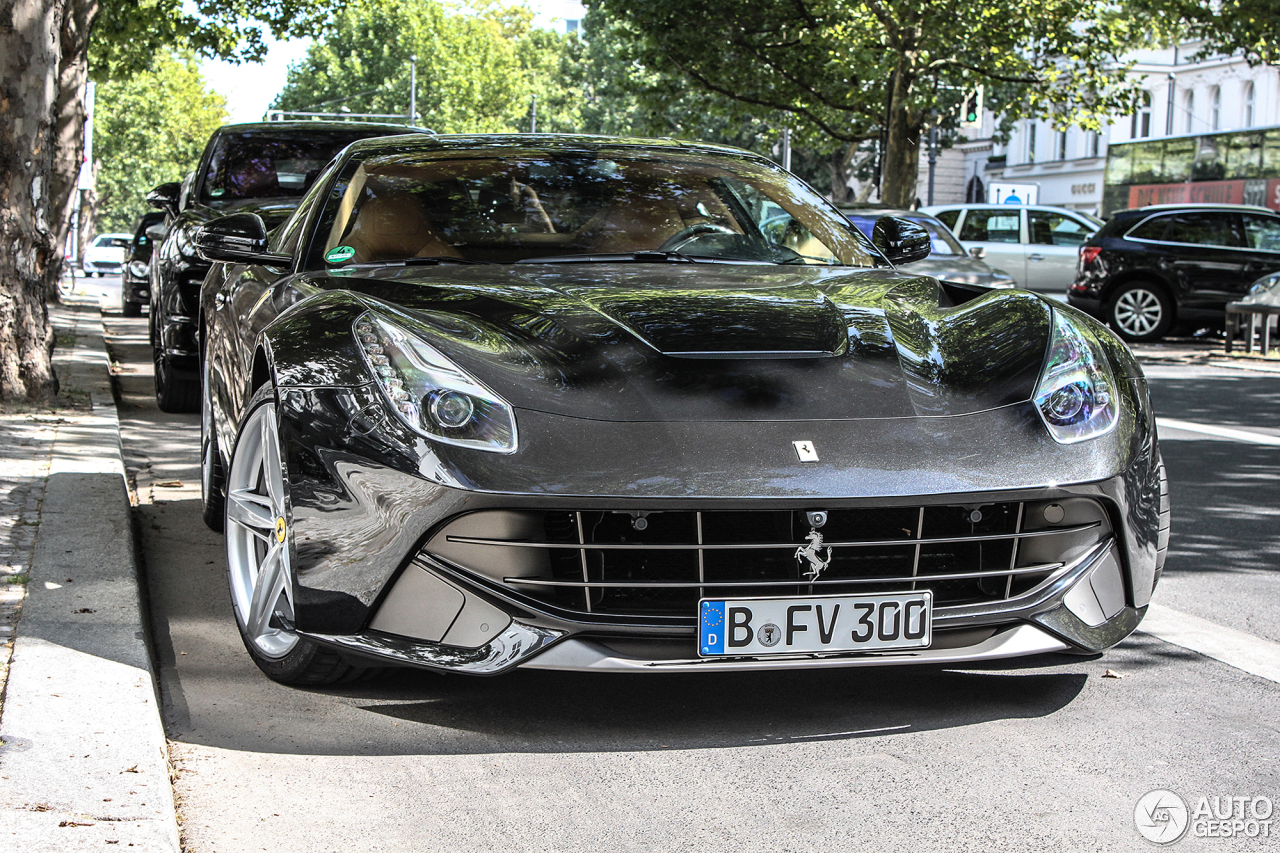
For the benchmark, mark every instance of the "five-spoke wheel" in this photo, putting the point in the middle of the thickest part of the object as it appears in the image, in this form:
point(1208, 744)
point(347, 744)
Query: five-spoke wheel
point(260, 555)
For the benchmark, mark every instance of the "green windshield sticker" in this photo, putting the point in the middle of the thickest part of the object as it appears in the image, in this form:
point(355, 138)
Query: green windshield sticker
point(339, 254)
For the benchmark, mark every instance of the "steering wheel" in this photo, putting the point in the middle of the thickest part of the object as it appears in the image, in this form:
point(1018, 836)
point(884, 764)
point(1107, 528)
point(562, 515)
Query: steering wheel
point(678, 240)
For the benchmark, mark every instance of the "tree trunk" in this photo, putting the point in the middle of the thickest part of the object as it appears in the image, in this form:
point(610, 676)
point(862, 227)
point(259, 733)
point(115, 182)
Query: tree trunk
point(29, 254)
point(69, 115)
point(902, 153)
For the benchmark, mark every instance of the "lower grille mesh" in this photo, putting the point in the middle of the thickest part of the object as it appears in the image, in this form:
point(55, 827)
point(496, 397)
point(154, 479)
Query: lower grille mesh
point(631, 563)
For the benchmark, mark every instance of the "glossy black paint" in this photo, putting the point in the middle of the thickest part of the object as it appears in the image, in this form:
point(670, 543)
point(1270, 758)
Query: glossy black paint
point(900, 240)
point(652, 386)
point(1200, 279)
point(237, 238)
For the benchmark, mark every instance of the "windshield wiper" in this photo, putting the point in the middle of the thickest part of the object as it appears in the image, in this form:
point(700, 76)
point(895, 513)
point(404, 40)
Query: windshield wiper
point(435, 260)
point(618, 258)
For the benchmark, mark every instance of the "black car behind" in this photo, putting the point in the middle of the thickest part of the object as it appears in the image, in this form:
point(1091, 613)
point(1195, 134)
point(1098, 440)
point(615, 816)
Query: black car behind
point(263, 168)
point(1149, 268)
point(135, 285)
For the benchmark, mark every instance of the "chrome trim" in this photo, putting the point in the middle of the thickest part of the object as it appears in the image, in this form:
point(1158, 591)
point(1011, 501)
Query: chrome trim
point(586, 574)
point(756, 546)
point(1013, 558)
point(587, 656)
point(506, 650)
point(997, 573)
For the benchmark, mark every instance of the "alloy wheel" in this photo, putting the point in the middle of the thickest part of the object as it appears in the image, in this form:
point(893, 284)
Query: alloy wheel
point(1138, 312)
point(258, 559)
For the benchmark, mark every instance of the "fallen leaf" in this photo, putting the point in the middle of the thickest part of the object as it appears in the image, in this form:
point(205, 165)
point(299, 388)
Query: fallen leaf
point(169, 484)
point(1111, 673)
point(86, 610)
point(133, 769)
point(74, 823)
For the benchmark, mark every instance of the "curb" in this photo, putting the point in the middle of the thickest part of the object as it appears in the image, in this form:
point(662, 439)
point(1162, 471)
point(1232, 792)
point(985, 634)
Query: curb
point(84, 763)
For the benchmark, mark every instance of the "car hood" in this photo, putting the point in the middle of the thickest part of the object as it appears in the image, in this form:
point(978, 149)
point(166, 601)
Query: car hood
point(698, 342)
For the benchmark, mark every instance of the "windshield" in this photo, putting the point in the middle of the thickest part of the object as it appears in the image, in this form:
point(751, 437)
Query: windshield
point(113, 241)
point(942, 240)
point(576, 205)
point(272, 164)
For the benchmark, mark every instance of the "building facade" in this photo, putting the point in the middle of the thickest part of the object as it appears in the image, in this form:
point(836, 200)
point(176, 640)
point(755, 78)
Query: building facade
point(1183, 98)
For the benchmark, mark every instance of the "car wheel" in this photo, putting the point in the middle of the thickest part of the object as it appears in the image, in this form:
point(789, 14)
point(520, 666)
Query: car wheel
point(174, 393)
point(130, 309)
point(260, 556)
point(1140, 312)
point(212, 477)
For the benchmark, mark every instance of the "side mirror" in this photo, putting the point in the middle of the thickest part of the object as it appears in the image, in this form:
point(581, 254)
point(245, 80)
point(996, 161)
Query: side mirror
point(156, 232)
point(240, 238)
point(901, 241)
point(165, 197)
point(978, 252)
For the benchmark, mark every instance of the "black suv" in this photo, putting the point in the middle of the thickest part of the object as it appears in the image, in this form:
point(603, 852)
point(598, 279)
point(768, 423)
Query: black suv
point(1148, 268)
point(261, 168)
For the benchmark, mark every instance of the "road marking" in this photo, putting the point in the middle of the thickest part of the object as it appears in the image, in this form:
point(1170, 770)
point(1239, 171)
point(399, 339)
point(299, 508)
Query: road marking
point(1220, 431)
point(1246, 652)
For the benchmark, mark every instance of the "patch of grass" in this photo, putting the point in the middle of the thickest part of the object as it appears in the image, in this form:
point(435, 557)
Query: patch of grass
point(64, 340)
point(23, 578)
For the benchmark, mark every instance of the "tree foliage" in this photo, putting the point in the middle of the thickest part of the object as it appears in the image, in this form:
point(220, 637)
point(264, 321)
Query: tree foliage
point(477, 71)
point(1248, 28)
point(148, 129)
point(850, 70)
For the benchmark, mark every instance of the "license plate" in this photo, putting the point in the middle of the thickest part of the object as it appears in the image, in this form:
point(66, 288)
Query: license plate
point(809, 624)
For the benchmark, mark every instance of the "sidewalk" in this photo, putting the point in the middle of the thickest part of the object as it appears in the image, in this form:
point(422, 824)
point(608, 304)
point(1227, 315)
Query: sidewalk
point(83, 758)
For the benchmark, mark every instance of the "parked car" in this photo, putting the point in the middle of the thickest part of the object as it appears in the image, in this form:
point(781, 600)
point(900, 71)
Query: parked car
point(487, 402)
point(264, 167)
point(947, 259)
point(105, 254)
point(135, 285)
point(1151, 267)
point(1037, 244)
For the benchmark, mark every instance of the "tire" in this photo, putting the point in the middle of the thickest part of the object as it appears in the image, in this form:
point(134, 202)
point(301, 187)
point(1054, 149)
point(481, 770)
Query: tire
point(260, 551)
point(174, 394)
point(130, 309)
point(1140, 312)
point(213, 495)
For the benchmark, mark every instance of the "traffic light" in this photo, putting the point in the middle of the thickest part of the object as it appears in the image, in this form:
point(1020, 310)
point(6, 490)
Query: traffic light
point(971, 109)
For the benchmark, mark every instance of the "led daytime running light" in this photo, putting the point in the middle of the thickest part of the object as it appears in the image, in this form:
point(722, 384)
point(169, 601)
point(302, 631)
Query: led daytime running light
point(429, 393)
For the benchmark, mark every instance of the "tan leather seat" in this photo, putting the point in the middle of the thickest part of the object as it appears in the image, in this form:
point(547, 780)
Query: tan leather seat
point(391, 226)
point(632, 225)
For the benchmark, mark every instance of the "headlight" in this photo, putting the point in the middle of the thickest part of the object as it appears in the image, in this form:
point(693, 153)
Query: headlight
point(1264, 284)
point(1076, 396)
point(432, 395)
point(138, 269)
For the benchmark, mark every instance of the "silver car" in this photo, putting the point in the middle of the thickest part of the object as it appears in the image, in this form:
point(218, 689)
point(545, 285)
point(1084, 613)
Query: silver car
point(1038, 244)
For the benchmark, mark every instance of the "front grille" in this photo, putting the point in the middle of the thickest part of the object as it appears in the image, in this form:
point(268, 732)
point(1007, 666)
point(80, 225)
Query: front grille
point(637, 564)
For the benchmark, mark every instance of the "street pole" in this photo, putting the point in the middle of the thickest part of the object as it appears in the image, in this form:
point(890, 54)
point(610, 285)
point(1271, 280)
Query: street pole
point(933, 151)
point(786, 148)
point(413, 89)
point(533, 115)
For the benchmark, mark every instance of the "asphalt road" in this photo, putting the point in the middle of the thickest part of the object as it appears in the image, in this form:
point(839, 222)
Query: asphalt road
point(919, 759)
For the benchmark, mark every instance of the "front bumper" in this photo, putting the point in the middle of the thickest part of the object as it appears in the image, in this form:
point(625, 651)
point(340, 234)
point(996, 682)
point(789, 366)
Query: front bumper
point(364, 506)
point(1083, 608)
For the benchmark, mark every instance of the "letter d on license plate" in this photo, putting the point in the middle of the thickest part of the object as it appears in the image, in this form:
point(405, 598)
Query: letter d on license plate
point(815, 624)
